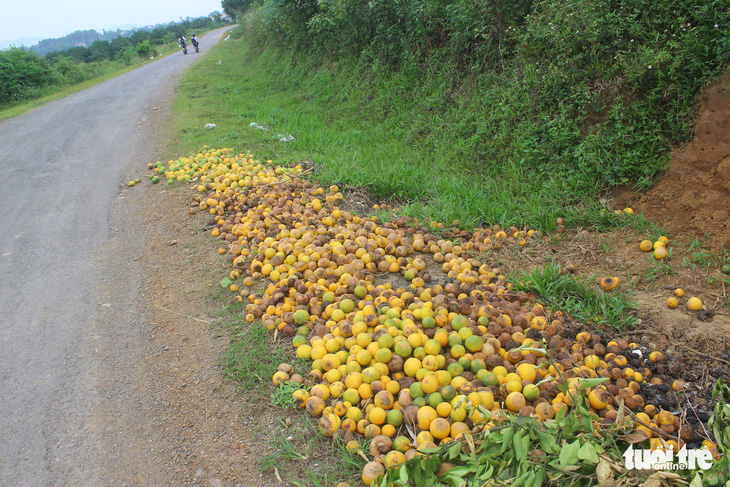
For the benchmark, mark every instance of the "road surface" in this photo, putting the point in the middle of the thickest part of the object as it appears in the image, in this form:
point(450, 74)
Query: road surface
point(70, 284)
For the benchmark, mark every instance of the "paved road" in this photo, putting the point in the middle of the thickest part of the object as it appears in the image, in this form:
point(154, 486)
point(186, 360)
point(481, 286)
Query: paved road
point(61, 166)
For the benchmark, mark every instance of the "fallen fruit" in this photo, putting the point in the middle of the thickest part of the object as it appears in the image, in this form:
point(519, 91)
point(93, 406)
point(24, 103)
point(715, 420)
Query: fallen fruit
point(452, 348)
point(371, 472)
point(608, 283)
point(672, 302)
point(694, 304)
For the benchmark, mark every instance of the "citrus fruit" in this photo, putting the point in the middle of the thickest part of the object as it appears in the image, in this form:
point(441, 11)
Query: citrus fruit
point(514, 401)
point(694, 304)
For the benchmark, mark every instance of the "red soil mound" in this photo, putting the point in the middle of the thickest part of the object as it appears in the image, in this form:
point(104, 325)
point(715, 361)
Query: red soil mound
point(693, 198)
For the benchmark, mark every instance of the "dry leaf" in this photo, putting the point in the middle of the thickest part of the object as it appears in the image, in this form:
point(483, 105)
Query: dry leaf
point(636, 437)
point(604, 474)
point(660, 478)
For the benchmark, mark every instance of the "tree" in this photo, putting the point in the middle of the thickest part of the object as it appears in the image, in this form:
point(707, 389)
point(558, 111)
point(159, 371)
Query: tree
point(119, 43)
point(79, 54)
point(236, 7)
point(139, 36)
point(100, 51)
point(158, 34)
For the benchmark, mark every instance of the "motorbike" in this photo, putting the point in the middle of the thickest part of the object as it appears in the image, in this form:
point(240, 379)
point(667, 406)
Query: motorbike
point(196, 45)
point(184, 47)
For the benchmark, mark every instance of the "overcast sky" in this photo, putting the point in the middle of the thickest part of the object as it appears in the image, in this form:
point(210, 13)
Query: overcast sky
point(56, 18)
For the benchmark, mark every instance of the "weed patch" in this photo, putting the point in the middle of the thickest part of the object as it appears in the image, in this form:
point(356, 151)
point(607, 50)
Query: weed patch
point(252, 357)
point(579, 297)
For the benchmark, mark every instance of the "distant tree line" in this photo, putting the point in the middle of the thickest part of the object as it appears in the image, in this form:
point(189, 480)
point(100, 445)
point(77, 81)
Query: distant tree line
point(141, 42)
point(25, 74)
point(85, 37)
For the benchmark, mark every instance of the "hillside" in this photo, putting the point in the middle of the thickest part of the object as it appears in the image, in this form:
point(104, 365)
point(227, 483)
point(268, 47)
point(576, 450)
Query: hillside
point(83, 38)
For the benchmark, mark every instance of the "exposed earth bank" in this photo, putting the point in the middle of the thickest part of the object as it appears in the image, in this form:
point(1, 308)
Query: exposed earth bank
point(693, 198)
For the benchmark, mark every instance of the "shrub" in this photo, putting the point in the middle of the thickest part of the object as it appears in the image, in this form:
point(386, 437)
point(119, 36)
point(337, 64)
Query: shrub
point(21, 71)
point(70, 73)
point(144, 49)
point(581, 96)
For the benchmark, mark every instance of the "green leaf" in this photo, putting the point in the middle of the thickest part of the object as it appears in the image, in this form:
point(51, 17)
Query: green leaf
point(487, 474)
point(453, 451)
point(462, 471)
point(507, 438)
point(586, 383)
point(403, 475)
point(517, 447)
point(431, 463)
point(225, 282)
point(547, 443)
point(696, 480)
point(453, 480)
point(569, 454)
point(588, 453)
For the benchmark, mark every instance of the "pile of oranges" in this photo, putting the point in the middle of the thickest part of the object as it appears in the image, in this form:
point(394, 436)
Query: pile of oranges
point(413, 340)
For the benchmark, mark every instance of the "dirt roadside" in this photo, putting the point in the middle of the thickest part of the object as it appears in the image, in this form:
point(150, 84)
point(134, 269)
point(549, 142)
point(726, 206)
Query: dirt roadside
point(169, 416)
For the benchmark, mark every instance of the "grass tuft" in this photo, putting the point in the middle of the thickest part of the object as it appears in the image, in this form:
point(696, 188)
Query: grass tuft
point(579, 297)
point(252, 357)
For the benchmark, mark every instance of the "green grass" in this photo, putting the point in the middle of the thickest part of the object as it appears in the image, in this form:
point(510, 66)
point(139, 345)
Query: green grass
point(580, 298)
point(282, 395)
point(657, 269)
point(301, 457)
point(252, 357)
point(354, 141)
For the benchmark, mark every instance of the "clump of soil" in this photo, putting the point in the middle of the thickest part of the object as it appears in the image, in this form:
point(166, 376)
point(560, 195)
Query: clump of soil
point(693, 198)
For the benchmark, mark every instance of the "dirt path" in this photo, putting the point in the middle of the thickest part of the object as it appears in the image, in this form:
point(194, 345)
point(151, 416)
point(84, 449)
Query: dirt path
point(99, 386)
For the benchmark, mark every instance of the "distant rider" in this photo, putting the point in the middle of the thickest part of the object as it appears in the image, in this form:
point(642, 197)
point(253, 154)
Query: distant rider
point(194, 40)
point(183, 42)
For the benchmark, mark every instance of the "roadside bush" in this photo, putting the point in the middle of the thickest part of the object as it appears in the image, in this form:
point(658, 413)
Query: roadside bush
point(144, 49)
point(70, 73)
point(125, 55)
point(21, 72)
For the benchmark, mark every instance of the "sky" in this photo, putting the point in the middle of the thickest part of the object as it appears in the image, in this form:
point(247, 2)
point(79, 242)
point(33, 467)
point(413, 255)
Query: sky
point(56, 18)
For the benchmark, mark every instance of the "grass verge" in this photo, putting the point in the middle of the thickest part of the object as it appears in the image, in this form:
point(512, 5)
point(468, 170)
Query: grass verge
point(301, 457)
point(252, 356)
point(354, 142)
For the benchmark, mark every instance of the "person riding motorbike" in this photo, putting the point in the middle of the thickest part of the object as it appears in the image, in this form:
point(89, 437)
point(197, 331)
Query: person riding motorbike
point(196, 43)
point(183, 43)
